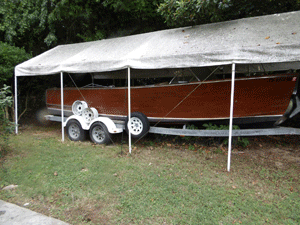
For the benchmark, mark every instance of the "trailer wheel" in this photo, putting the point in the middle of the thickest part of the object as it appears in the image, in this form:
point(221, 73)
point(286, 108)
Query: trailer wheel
point(75, 131)
point(139, 125)
point(99, 133)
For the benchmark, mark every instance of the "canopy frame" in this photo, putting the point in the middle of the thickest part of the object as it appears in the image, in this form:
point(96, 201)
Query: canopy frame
point(231, 117)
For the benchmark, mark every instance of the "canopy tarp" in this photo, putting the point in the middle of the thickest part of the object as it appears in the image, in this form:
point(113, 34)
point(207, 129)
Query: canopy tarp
point(272, 39)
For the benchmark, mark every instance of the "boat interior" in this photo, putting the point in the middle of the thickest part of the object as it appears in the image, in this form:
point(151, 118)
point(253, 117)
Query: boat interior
point(158, 77)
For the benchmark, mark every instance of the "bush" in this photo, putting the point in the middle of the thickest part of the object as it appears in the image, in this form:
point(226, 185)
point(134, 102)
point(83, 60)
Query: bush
point(6, 126)
point(10, 56)
point(240, 141)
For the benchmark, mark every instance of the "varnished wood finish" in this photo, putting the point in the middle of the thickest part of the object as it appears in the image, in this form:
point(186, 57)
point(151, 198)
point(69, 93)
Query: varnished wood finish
point(257, 96)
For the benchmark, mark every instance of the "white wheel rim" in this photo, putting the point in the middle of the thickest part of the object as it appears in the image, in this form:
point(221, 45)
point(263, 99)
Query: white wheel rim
point(78, 107)
point(89, 114)
point(98, 134)
point(74, 131)
point(135, 125)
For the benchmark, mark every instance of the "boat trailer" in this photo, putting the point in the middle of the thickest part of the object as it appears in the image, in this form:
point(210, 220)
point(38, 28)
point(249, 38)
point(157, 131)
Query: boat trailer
point(101, 134)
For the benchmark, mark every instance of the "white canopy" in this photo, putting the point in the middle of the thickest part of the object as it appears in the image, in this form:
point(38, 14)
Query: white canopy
point(269, 39)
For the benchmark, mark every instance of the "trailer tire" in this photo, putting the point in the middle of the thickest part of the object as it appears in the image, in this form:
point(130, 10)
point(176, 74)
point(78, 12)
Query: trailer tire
point(139, 125)
point(75, 131)
point(99, 133)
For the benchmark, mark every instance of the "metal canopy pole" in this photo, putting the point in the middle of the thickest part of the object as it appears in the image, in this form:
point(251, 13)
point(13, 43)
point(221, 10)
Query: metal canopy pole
point(129, 111)
point(231, 117)
point(16, 106)
point(62, 105)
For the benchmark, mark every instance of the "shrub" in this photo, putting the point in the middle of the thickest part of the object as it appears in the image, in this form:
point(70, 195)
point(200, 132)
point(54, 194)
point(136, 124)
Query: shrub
point(240, 141)
point(10, 56)
point(6, 126)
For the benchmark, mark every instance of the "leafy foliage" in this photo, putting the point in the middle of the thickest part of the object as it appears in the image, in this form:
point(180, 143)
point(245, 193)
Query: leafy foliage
point(6, 127)
point(5, 101)
point(135, 7)
point(183, 12)
point(211, 126)
point(241, 141)
point(191, 12)
point(22, 22)
point(41, 24)
point(45, 23)
point(10, 57)
point(135, 16)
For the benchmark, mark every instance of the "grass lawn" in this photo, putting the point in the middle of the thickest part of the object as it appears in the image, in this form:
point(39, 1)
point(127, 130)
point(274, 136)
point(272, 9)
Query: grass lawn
point(163, 181)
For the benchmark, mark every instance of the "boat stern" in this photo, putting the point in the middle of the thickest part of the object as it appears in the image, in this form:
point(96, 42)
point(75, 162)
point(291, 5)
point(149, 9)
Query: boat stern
point(291, 117)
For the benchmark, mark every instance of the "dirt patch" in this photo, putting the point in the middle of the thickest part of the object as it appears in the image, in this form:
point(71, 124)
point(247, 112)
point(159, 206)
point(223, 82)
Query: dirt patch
point(279, 151)
point(85, 211)
point(53, 129)
point(88, 214)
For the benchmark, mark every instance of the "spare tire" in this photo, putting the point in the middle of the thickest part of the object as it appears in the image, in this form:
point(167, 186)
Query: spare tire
point(139, 125)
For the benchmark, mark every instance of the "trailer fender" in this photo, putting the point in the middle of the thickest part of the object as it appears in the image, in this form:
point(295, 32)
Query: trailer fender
point(80, 119)
point(111, 126)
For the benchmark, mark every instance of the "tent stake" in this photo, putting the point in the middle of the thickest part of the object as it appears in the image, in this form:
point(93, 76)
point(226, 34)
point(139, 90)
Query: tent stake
point(62, 105)
point(129, 111)
point(231, 117)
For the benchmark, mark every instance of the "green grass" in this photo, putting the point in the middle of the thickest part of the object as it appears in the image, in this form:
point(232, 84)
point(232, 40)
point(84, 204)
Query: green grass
point(81, 183)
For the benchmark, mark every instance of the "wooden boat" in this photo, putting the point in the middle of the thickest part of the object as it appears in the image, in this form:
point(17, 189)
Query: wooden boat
point(255, 97)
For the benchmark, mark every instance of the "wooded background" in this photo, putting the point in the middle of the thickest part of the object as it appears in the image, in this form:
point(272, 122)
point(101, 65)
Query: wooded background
point(30, 27)
point(38, 25)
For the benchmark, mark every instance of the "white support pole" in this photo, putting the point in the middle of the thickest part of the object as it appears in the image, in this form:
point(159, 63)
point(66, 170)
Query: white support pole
point(231, 116)
point(16, 105)
point(129, 110)
point(62, 105)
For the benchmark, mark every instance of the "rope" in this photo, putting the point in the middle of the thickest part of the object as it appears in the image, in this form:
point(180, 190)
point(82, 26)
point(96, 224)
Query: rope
point(188, 95)
point(77, 88)
point(181, 101)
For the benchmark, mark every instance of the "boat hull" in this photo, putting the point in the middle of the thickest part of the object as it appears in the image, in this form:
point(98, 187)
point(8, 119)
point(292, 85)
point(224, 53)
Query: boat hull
point(254, 97)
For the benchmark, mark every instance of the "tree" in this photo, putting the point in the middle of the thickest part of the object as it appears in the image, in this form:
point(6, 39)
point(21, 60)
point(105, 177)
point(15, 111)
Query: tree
point(22, 23)
point(6, 127)
point(137, 15)
point(10, 57)
point(42, 24)
point(191, 12)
